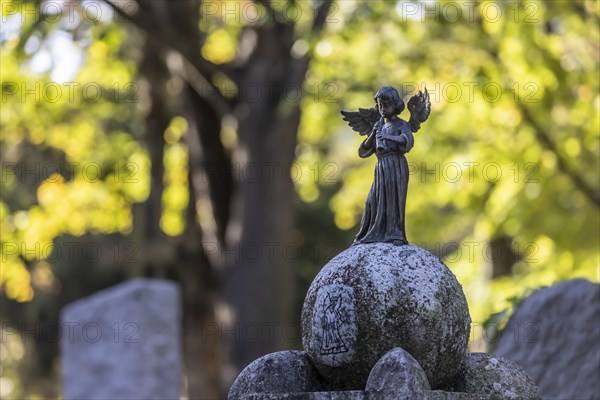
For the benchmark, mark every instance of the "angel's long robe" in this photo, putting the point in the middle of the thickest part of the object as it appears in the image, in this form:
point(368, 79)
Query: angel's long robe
point(383, 217)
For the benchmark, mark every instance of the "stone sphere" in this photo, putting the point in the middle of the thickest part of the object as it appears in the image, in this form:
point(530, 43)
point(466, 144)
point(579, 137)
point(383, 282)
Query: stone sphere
point(281, 372)
point(374, 297)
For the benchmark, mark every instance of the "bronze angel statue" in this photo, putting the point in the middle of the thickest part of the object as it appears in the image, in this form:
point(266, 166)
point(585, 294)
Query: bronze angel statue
point(389, 138)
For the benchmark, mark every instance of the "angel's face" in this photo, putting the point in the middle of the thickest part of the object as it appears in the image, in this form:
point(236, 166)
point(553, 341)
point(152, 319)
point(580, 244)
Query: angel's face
point(386, 107)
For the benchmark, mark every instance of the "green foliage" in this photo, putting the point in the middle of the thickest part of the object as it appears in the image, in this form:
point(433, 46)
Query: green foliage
point(72, 161)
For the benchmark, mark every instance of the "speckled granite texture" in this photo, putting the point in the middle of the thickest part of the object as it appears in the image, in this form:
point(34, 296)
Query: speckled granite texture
point(374, 297)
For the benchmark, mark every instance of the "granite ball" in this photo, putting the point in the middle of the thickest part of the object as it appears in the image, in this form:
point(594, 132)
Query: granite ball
point(374, 297)
point(493, 377)
point(282, 372)
point(397, 370)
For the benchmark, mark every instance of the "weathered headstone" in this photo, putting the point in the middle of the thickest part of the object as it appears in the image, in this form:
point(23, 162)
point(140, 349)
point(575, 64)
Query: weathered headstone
point(554, 335)
point(123, 343)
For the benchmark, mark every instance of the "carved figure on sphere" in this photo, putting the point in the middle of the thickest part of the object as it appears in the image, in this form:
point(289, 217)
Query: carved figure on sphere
point(389, 138)
point(332, 339)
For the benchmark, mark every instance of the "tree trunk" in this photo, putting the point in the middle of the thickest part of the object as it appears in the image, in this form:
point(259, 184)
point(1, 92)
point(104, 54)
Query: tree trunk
point(258, 281)
point(202, 331)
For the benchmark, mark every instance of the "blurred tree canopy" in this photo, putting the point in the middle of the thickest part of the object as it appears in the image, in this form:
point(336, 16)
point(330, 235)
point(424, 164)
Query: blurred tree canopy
point(202, 142)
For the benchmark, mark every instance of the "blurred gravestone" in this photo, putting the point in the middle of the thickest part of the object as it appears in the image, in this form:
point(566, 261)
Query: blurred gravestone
point(123, 343)
point(555, 337)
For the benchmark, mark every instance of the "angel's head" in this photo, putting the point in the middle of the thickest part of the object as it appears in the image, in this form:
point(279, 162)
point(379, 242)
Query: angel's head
point(388, 101)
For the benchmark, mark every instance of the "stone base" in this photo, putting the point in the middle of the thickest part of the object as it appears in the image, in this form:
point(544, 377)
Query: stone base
point(367, 395)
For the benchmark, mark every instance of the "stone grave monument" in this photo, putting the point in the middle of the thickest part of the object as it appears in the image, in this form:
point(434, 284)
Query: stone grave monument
point(123, 343)
point(555, 337)
point(384, 319)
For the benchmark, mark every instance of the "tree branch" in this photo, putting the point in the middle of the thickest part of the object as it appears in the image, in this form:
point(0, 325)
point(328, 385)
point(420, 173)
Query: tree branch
point(192, 67)
point(321, 16)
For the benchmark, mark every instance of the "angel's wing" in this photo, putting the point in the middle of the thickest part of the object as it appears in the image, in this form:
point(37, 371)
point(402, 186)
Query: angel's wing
point(363, 120)
point(419, 107)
